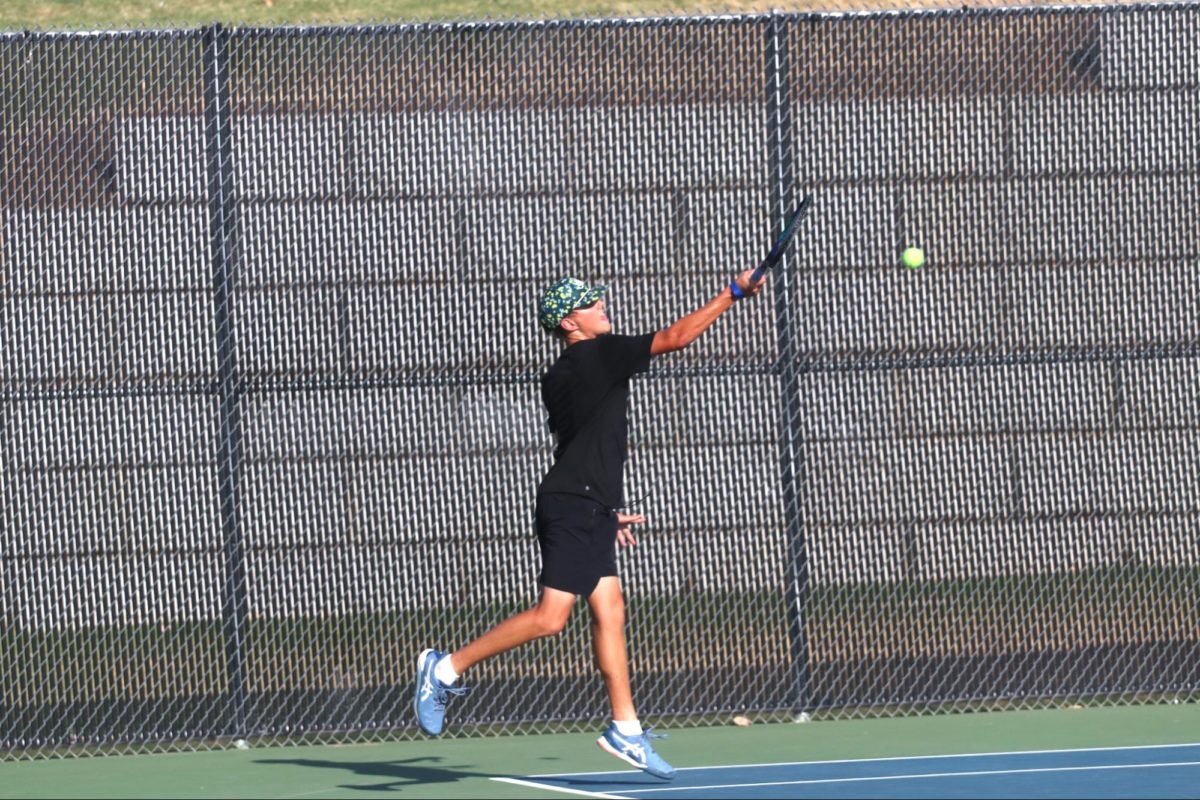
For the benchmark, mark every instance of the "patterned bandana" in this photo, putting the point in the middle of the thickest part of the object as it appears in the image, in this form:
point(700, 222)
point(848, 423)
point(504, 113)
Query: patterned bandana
point(564, 296)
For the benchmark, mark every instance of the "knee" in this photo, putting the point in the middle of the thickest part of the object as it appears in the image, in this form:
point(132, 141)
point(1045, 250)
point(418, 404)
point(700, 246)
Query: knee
point(551, 623)
point(610, 617)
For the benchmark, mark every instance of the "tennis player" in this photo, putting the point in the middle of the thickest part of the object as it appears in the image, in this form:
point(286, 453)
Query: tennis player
point(578, 516)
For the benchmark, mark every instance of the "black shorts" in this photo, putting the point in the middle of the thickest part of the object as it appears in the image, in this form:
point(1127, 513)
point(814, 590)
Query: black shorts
point(578, 539)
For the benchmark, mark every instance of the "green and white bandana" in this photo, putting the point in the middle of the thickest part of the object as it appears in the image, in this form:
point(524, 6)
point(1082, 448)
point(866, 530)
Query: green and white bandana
point(564, 296)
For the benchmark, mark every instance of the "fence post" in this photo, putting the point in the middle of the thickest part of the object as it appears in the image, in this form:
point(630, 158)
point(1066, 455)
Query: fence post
point(781, 178)
point(223, 231)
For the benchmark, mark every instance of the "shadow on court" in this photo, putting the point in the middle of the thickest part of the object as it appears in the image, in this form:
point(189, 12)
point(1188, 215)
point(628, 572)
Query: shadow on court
point(395, 774)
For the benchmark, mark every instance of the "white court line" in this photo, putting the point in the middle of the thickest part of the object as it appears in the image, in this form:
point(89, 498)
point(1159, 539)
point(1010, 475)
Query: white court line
point(551, 788)
point(889, 758)
point(908, 777)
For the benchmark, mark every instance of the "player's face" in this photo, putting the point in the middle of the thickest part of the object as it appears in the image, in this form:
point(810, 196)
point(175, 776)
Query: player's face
point(592, 321)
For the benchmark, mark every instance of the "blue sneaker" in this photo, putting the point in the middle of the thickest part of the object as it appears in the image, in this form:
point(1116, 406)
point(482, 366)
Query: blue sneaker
point(430, 699)
point(636, 750)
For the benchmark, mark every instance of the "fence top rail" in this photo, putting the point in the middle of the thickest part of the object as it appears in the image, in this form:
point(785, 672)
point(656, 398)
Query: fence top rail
point(114, 34)
point(664, 20)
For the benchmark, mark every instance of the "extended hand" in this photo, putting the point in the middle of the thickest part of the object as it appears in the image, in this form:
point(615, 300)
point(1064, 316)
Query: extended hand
point(750, 289)
point(624, 536)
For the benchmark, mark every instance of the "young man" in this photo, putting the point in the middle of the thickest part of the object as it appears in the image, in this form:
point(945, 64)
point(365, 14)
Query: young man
point(586, 393)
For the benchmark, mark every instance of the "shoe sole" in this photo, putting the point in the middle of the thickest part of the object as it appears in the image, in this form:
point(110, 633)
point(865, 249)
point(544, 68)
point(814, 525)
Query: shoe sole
point(417, 693)
point(608, 748)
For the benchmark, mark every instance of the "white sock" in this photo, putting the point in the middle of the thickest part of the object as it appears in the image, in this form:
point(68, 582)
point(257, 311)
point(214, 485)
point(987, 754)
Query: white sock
point(628, 727)
point(443, 670)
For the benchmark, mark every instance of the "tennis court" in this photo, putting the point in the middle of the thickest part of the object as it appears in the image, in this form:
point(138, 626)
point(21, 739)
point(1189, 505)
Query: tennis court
point(1145, 751)
point(1165, 771)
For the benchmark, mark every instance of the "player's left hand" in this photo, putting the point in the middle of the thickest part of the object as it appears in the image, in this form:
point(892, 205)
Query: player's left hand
point(624, 536)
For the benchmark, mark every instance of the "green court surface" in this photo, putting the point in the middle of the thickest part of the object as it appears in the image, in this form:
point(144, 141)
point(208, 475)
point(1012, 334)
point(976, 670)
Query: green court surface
point(462, 767)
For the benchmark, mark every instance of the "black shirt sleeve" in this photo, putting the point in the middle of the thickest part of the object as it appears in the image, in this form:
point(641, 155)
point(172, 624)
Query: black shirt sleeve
point(623, 356)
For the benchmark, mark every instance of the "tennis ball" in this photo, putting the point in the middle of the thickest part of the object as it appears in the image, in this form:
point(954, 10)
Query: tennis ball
point(741, 722)
point(913, 257)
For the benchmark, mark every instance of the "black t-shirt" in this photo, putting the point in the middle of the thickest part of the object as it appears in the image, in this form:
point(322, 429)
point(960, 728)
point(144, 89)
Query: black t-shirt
point(587, 394)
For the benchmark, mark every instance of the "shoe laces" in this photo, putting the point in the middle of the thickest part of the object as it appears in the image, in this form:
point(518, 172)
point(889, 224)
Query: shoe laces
point(441, 694)
point(645, 736)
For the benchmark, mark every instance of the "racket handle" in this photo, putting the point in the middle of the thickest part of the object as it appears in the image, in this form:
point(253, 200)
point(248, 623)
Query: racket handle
point(755, 277)
point(761, 270)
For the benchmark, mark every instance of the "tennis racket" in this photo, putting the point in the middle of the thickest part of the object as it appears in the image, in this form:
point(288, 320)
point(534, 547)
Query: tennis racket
point(789, 231)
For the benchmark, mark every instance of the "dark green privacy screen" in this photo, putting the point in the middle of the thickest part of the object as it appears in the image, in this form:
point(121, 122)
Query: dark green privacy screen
point(271, 420)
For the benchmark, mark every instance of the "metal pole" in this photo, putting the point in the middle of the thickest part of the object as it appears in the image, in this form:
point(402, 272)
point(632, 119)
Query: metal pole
point(223, 228)
point(781, 178)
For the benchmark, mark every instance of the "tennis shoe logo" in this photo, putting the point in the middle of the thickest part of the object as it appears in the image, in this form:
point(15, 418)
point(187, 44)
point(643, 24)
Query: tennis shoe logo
point(635, 751)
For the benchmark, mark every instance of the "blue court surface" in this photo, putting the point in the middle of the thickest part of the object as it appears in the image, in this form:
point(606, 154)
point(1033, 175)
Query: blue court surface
point(1159, 771)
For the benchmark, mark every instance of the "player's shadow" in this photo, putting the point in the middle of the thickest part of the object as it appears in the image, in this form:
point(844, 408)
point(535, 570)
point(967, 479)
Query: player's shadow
point(395, 774)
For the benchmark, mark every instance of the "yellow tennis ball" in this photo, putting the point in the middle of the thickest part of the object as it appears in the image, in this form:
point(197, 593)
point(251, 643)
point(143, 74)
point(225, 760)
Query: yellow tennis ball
point(913, 257)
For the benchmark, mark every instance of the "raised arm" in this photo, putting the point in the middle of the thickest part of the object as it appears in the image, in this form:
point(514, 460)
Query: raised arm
point(687, 329)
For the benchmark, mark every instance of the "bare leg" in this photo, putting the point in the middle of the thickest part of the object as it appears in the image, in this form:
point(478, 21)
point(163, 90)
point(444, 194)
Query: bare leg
point(547, 618)
point(608, 641)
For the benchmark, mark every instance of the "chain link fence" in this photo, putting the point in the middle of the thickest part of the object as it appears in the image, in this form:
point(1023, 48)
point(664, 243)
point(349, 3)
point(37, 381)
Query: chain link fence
point(270, 414)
